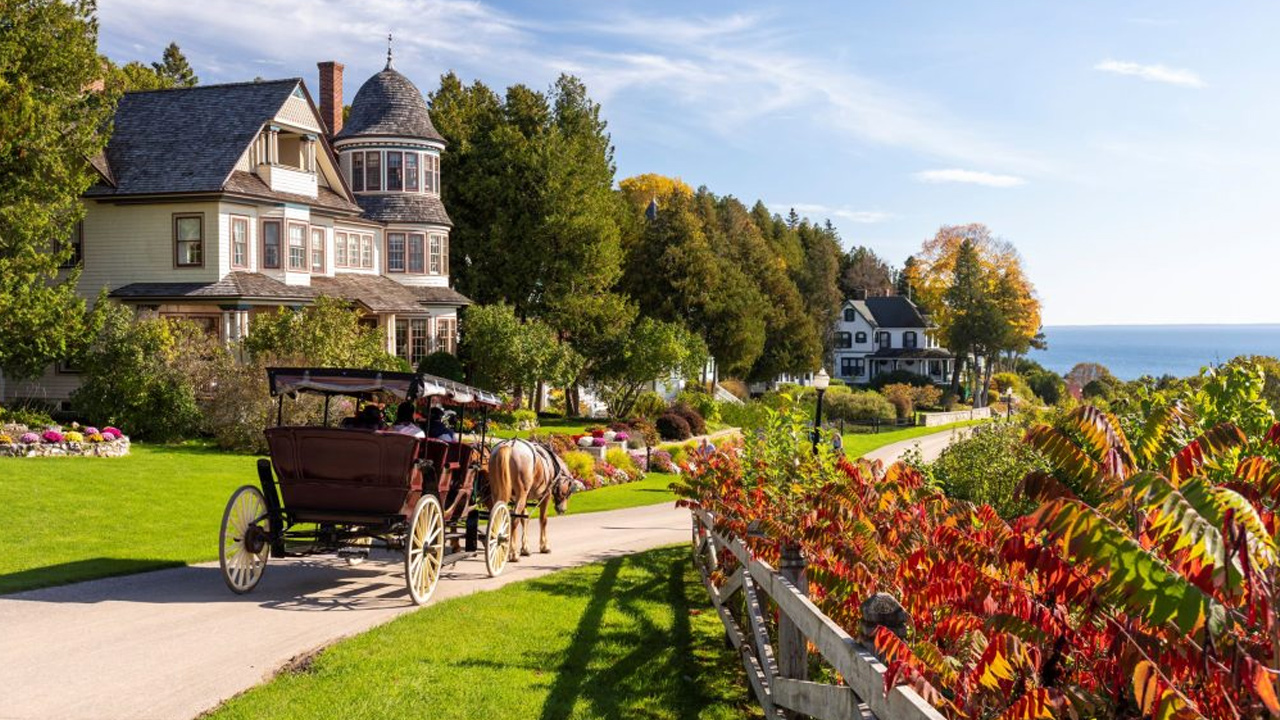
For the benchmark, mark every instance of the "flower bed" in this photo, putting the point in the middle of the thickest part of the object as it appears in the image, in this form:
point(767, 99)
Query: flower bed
point(55, 441)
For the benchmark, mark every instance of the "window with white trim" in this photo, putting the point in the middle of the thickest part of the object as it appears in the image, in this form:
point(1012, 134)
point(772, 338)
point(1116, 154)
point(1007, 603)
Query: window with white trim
point(297, 246)
point(353, 250)
point(366, 251)
point(395, 176)
point(844, 341)
point(419, 339)
point(411, 172)
point(75, 244)
point(431, 173)
point(446, 334)
point(402, 338)
point(395, 252)
point(317, 250)
point(416, 260)
point(437, 267)
point(373, 170)
point(339, 249)
point(239, 242)
point(909, 339)
point(860, 337)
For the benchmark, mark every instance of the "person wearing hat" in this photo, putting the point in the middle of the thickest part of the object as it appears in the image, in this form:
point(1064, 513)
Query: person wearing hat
point(437, 429)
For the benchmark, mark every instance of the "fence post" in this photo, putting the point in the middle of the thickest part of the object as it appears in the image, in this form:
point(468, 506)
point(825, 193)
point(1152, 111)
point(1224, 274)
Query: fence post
point(793, 648)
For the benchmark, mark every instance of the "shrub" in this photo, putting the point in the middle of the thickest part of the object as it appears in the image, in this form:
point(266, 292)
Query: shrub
point(898, 377)
point(442, 364)
point(1000, 382)
point(644, 431)
point(29, 438)
point(147, 374)
point(660, 461)
point(673, 427)
point(748, 415)
point(862, 407)
point(621, 459)
point(28, 415)
point(1048, 386)
point(679, 456)
point(52, 436)
point(524, 419)
point(581, 464)
point(902, 396)
point(704, 403)
point(649, 405)
point(697, 425)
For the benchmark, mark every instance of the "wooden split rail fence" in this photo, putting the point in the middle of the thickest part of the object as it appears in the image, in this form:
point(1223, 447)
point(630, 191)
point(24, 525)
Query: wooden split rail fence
point(779, 677)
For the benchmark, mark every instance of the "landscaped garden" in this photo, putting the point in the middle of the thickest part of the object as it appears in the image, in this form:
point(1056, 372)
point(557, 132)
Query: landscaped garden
point(627, 638)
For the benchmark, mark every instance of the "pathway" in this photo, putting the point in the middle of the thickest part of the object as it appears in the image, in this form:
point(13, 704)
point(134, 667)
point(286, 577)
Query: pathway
point(175, 643)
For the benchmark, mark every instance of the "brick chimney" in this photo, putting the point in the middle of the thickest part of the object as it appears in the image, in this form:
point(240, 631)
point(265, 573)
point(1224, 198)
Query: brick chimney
point(331, 95)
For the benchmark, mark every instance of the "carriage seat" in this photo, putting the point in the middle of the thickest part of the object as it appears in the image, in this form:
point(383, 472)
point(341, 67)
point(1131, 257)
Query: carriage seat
point(338, 470)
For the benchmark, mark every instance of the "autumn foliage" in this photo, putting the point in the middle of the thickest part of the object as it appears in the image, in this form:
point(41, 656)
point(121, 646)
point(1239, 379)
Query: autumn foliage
point(1143, 585)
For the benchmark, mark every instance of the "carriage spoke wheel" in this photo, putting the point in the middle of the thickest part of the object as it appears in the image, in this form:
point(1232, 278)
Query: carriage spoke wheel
point(497, 541)
point(424, 549)
point(245, 540)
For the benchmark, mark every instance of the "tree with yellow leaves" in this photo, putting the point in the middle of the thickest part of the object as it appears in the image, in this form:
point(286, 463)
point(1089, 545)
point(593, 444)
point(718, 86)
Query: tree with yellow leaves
point(977, 293)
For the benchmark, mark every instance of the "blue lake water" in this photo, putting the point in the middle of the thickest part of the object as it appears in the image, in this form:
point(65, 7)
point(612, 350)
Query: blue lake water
point(1131, 351)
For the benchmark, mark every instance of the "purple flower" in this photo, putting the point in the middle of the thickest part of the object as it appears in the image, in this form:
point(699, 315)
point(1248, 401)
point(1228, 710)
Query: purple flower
point(29, 438)
point(91, 430)
point(599, 442)
point(622, 437)
point(51, 436)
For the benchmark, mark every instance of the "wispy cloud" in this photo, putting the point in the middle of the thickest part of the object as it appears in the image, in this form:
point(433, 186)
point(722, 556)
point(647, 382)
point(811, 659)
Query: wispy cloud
point(973, 177)
point(1152, 73)
point(815, 210)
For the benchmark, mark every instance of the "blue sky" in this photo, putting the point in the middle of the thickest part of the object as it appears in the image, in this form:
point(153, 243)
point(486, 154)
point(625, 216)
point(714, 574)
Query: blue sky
point(1129, 150)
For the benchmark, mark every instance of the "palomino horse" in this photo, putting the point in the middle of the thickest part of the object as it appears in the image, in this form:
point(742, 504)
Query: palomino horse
point(520, 472)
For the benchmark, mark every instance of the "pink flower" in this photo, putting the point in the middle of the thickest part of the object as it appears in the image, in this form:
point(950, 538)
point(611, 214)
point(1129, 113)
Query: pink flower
point(91, 430)
point(51, 436)
point(622, 437)
point(112, 430)
point(29, 438)
point(599, 442)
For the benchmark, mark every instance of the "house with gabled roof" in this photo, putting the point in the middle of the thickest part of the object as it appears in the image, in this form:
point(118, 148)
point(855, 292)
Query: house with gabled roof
point(219, 203)
point(877, 335)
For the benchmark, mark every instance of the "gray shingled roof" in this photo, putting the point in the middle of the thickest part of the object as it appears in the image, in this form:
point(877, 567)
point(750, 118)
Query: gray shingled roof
point(894, 312)
point(441, 296)
point(235, 286)
point(404, 208)
point(189, 139)
point(389, 104)
point(382, 294)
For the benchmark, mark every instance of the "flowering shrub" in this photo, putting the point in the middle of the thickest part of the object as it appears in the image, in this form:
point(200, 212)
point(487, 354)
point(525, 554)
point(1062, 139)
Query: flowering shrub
point(621, 460)
point(29, 438)
point(586, 441)
point(580, 464)
point(661, 461)
point(599, 442)
point(596, 433)
point(73, 436)
point(640, 460)
point(51, 436)
point(621, 437)
point(112, 430)
point(5, 439)
point(95, 437)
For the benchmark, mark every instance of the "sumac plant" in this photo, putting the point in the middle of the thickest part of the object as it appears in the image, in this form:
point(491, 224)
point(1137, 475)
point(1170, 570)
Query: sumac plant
point(1144, 584)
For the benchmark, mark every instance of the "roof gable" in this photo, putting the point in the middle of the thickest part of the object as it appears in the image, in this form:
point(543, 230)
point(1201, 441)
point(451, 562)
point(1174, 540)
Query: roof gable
point(895, 311)
point(188, 139)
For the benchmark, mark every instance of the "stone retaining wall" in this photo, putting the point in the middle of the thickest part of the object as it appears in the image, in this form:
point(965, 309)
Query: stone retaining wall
point(934, 419)
point(106, 448)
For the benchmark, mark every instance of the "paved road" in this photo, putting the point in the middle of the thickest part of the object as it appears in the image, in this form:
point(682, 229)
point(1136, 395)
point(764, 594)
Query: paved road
point(931, 446)
point(175, 643)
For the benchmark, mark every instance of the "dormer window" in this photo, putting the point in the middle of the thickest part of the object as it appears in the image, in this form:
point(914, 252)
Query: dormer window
point(850, 315)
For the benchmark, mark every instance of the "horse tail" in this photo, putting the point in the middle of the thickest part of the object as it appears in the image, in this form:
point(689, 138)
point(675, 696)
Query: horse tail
point(500, 472)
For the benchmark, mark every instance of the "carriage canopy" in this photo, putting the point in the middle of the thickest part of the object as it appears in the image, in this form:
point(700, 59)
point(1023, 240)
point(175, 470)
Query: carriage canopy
point(362, 383)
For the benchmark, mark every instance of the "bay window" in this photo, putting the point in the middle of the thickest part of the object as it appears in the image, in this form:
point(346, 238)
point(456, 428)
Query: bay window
point(357, 171)
point(431, 173)
point(353, 250)
point(411, 172)
point(416, 261)
point(317, 250)
point(366, 251)
point(297, 246)
point(188, 240)
point(439, 255)
point(239, 242)
point(271, 244)
point(373, 170)
point(395, 181)
point(395, 252)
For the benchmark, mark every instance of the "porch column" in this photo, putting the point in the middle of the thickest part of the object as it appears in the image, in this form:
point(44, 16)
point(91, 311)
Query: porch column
point(390, 320)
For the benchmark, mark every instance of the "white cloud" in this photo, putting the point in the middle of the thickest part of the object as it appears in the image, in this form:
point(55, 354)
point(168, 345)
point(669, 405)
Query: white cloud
point(1152, 73)
point(818, 212)
point(973, 177)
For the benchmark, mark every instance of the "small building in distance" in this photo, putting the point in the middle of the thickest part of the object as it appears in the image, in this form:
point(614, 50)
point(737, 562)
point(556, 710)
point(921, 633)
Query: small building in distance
point(878, 335)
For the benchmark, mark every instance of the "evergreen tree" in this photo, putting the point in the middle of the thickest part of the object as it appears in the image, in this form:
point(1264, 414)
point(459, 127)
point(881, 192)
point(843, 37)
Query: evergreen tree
point(818, 282)
point(906, 276)
point(53, 122)
point(173, 68)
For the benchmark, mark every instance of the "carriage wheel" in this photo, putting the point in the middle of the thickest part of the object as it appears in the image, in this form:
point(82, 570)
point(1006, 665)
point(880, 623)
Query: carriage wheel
point(424, 549)
point(497, 542)
point(245, 540)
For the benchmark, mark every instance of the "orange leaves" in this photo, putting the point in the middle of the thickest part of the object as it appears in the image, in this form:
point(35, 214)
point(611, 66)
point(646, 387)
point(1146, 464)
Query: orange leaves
point(1156, 699)
point(1215, 442)
point(1035, 704)
point(1263, 685)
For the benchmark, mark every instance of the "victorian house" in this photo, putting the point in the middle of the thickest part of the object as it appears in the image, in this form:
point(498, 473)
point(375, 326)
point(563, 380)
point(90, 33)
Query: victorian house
point(877, 335)
point(219, 203)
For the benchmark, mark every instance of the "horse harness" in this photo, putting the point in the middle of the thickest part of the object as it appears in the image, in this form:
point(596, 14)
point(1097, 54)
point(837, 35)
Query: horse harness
point(553, 484)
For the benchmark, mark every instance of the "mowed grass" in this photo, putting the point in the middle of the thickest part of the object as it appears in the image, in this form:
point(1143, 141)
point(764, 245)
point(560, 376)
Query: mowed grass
point(859, 444)
point(546, 426)
point(649, 491)
point(70, 519)
point(633, 637)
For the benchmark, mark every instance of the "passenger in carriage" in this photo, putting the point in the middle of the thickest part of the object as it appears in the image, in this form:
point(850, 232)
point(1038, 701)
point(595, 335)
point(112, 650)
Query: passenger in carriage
point(437, 429)
point(404, 421)
point(369, 418)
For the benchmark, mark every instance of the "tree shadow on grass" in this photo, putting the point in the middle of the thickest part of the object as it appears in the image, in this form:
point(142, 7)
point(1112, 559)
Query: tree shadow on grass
point(78, 570)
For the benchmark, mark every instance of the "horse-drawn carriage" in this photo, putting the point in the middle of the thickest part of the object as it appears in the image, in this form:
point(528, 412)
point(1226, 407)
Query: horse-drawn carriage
point(338, 489)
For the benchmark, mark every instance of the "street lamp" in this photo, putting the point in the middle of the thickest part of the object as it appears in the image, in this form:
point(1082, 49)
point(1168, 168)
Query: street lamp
point(1008, 403)
point(820, 383)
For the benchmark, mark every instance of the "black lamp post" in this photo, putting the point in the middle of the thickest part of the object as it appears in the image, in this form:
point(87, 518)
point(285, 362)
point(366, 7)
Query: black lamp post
point(1008, 403)
point(820, 383)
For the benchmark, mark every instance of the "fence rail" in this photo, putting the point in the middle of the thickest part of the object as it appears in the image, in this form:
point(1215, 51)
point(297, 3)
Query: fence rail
point(773, 681)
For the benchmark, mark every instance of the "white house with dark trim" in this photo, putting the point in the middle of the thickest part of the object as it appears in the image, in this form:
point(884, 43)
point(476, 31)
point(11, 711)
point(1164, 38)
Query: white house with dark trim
point(219, 203)
point(877, 335)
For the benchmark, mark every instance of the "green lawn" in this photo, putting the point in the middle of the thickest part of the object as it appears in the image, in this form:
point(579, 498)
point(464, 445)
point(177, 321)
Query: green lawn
point(859, 444)
point(546, 426)
point(72, 519)
point(633, 637)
